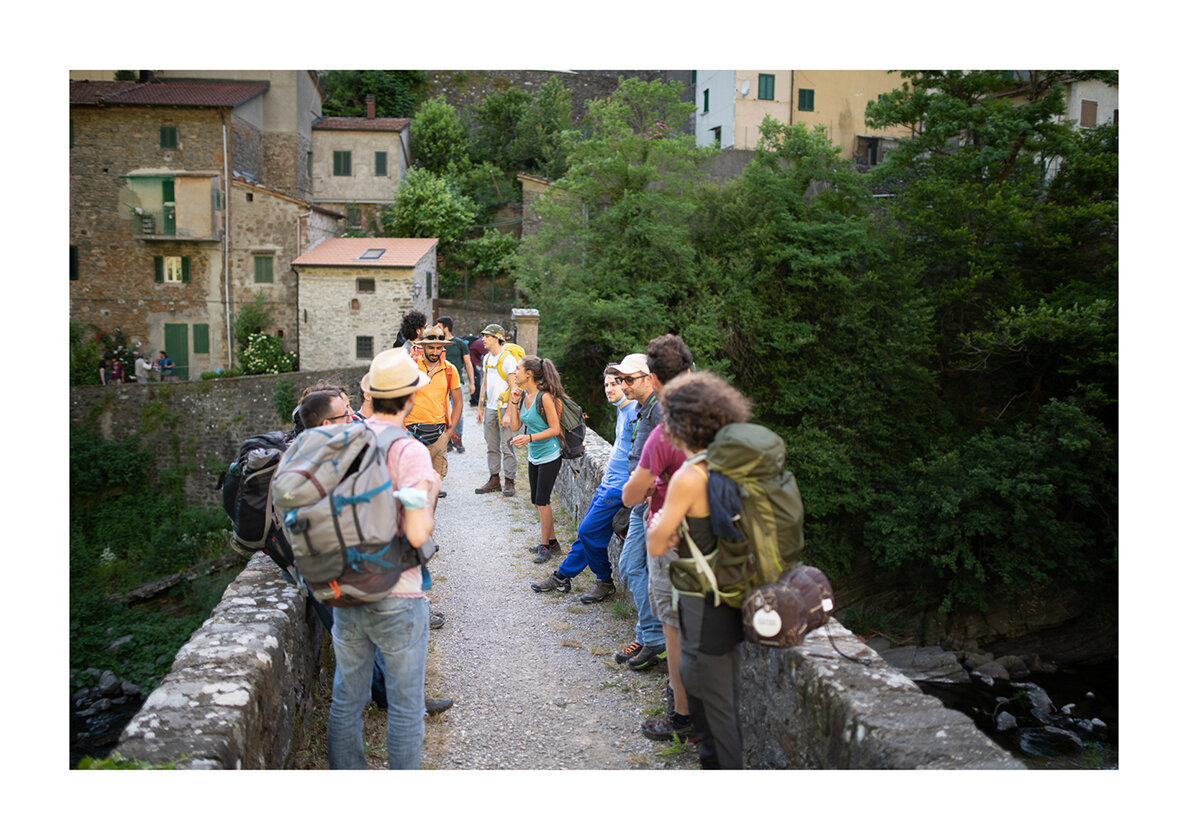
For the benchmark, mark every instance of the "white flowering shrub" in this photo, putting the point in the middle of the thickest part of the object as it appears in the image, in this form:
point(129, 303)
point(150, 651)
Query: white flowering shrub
point(265, 354)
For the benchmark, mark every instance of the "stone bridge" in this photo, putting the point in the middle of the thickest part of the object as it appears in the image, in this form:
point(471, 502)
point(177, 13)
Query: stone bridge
point(239, 691)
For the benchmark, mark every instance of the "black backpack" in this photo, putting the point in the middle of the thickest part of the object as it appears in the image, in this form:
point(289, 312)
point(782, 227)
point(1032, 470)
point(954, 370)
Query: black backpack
point(247, 498)
point(573, 429)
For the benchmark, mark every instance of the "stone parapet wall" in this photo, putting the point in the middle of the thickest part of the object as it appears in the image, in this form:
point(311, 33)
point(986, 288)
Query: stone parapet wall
point(240, 688)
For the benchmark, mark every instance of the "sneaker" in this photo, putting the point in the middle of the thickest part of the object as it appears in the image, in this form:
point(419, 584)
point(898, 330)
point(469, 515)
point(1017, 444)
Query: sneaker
point(509, 487)
point(646, 658)
point(666, 728)
point(490, 487)
point(628, 652)
point(441, 494)
point(450, 446)
point(436, 620)
point(543, 554)
point(602, 590)
point(436, 707)
point(459, 448)
point(553, 581)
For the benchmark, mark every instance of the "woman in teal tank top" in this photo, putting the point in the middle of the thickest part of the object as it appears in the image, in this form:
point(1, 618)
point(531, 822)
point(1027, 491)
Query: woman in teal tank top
point(534, 410)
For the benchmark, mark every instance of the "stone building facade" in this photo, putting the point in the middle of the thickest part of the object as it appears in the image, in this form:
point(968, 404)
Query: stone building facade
point(159, 240)
point(350, 306)
point(358, 164)
point(271, 230)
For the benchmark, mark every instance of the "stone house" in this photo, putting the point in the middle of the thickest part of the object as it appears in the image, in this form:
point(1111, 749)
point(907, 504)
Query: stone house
point(358, 163)
point(171, 226)
point(353, 292)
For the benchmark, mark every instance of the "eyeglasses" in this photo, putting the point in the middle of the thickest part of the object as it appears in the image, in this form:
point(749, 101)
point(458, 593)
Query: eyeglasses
point(623, 380)
point(340, 416)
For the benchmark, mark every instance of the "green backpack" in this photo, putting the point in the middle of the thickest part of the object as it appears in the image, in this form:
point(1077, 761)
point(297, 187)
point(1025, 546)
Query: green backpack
point(771, 521)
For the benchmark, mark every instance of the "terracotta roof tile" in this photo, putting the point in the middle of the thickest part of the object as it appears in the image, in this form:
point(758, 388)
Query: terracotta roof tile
point(194, 94)
point(361, 124)
point(346, 251)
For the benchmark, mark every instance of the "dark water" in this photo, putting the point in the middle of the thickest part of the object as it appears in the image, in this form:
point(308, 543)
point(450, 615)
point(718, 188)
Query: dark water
point(95, 735)
point(1046, 738)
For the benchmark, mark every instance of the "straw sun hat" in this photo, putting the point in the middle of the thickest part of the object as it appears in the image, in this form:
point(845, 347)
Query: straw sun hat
point(393, 373)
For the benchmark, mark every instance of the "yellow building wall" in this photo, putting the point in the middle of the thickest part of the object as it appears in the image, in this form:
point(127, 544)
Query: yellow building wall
point(840, 98)
point(749, 109)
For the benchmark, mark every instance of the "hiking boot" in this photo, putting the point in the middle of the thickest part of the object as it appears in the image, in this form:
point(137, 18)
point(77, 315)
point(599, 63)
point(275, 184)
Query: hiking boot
point(436, 707)
point(646, 658)
point(436, 620)
point(602, 590)
point(490, 487)
point(509, 487)
point(628, 652)
point(553, 581)
point(666, 728)
point(544, 552)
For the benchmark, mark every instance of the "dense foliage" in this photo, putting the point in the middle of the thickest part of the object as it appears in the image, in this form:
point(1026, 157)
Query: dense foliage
point(396, 92)
point(130, 524)
point(942, 364)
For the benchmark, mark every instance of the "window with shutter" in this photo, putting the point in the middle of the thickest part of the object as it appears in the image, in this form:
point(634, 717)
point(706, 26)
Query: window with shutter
point(202, 338)
point(381, 163)
point(263, 269)
point(169, 137)
point(805, 100)
point(342, 163)
point(766, 86)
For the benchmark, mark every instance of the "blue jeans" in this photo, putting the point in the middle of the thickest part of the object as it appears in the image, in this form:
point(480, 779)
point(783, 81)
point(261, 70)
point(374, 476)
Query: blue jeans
point(399, 629)
point(633, 568)
point(594, 533)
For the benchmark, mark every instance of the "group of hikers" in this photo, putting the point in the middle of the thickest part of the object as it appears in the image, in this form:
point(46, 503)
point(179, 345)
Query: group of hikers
point(653, 494)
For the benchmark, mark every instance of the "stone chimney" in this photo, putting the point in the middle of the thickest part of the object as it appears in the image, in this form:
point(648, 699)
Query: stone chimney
point(371, 106)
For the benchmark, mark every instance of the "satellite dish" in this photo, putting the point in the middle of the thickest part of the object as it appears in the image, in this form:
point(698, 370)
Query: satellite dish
point(746, 86)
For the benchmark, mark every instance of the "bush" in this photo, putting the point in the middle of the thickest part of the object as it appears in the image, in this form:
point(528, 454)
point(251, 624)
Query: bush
point(1002, 513)
point(265, 354)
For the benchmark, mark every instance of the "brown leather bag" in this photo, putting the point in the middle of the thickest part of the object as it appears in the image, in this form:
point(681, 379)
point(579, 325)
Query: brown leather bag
point(781, 613)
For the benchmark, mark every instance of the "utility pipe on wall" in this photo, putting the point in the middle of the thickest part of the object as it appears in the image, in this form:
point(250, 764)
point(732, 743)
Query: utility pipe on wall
point(226, 237)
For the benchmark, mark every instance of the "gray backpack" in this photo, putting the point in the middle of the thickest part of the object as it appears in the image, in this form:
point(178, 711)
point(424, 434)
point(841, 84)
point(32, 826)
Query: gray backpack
point(335, 500)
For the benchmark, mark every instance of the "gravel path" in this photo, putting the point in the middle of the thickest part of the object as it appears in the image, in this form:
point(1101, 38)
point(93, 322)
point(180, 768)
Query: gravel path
point(532, 675)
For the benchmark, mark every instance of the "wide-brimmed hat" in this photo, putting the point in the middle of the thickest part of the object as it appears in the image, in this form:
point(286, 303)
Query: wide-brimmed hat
point(632, 363)
point(393, 373)
point(495, 330)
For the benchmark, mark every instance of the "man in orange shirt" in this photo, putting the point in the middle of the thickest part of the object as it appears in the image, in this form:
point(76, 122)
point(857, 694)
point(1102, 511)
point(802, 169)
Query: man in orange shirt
point(431, 420)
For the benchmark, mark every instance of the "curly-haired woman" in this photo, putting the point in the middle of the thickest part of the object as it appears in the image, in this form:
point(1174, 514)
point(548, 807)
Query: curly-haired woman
point(693, 407)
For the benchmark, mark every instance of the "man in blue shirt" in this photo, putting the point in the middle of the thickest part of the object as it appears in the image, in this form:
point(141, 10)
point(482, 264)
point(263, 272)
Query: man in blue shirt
point(594, 532)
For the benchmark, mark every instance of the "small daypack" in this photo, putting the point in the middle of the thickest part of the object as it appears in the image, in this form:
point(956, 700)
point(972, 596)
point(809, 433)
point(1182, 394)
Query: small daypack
point(771, 520)
point(335, 500)
point(573, 429)
point(246, 486)
point(517, 352)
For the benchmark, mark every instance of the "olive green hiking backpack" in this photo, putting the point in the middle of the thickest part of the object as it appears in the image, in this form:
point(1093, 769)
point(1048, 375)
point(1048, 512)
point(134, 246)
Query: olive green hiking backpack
point(770, 520)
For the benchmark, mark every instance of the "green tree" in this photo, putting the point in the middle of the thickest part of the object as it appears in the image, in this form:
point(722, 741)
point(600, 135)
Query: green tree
point(254, 317)
point(613, 259)
point(429, 205)
point(439, 140)
point(396, 92)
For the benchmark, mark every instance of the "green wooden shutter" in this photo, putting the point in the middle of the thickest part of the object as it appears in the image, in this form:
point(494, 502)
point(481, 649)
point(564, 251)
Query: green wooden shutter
point(185, 269)
point(202, 338)
point(168, 137)
point(158, 269)
point(381, 163)
point(167, 189)
point(263, 269)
